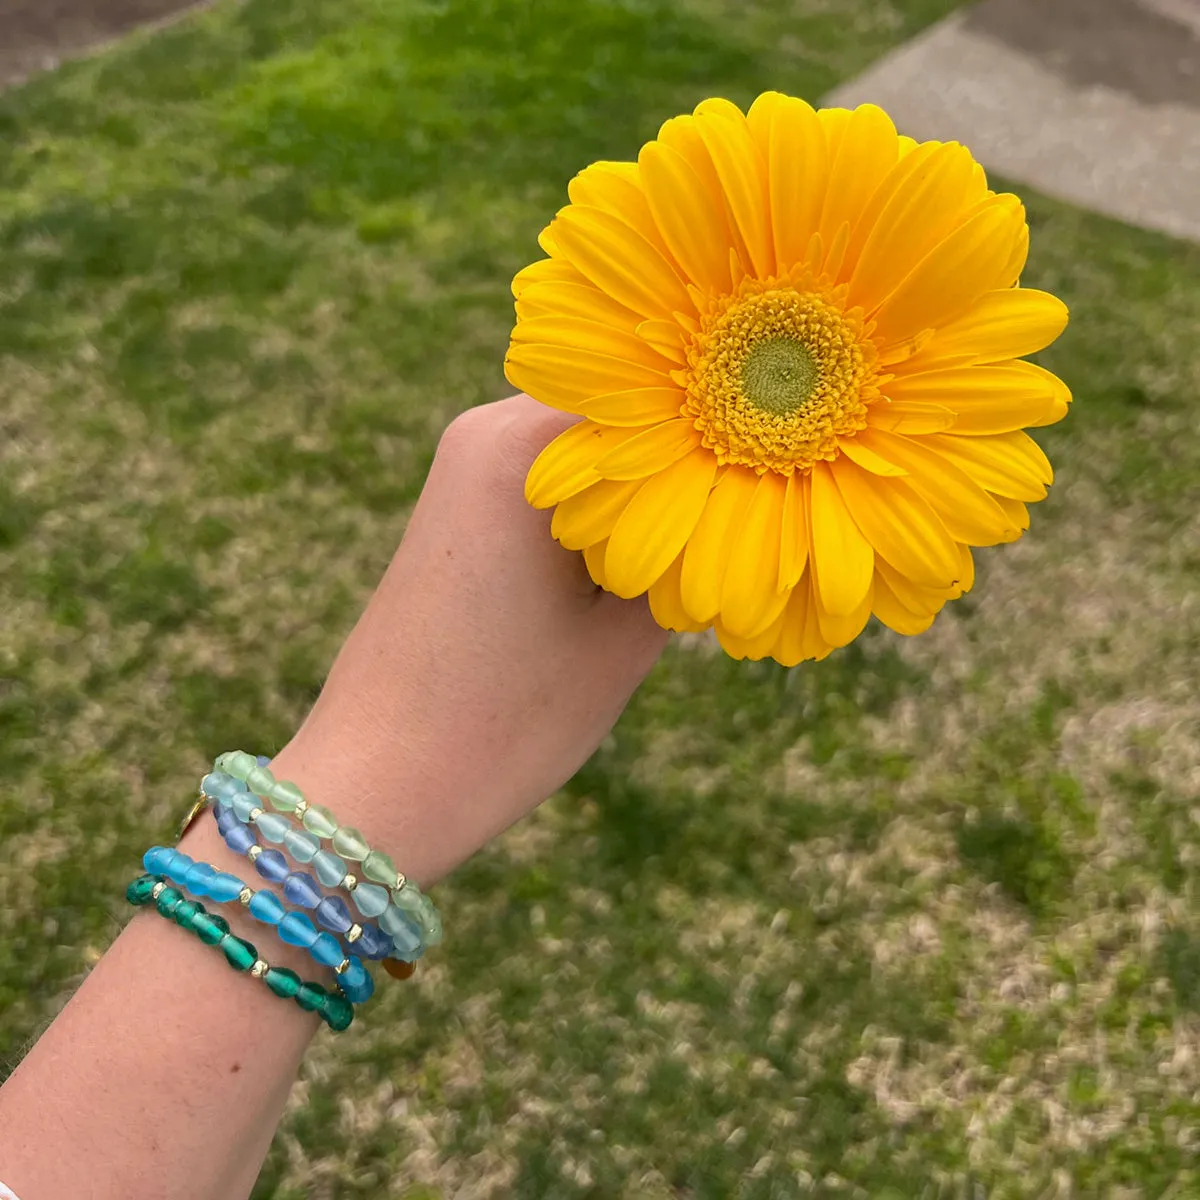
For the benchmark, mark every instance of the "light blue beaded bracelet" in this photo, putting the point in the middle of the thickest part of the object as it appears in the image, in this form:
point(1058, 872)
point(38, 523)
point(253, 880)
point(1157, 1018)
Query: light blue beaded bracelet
point(239, 780)
point(294, 928)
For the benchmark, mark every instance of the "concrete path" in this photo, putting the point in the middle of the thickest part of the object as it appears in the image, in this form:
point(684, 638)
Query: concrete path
point(1093, 101)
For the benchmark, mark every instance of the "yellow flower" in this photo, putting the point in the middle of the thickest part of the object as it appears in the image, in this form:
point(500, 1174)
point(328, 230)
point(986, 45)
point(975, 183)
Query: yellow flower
point(793, 337)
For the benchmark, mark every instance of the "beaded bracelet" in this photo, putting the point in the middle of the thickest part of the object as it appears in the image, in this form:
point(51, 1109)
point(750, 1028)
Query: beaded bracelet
point(238, 774)
point(336, 1011)
point(294, 928)
point(303, 889)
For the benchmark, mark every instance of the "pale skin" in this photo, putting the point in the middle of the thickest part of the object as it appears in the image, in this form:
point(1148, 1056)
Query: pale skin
point(484, 671)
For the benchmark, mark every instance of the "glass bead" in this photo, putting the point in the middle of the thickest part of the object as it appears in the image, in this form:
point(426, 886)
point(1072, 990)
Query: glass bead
point(210, 928)
point(138, 892)
point(408, 899)
point(374, 943)
point(370, 899)
point(380, 868)
point(155, 860)
point(319, 820)
point(272, 826)
point(351, 844)
point(199, 876)
point(270, 864)
point(330, 869)
point(238, 763)
point(311, 997)
point(244, 803)
point(267, 907)
point(185, 913)
point(301, 845)
point(283, 982)
point(337, 1012)
point(406, 939)
point(285, 796)
point(167, 899)
point(263, 760)
point(398, 924)
point(333, 914)
point(431, 922)
point(302, 889)
point(240, 953)
point(356, 983)
point(260, 780)
point(225, 887)
point(327, 950)
point(297, 930)
point(240, 838)
point(225, 817)
point(178, 867)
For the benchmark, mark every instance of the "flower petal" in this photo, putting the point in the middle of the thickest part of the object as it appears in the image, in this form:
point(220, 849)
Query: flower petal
point(968, 512)
point(1009, 464)
point(753, 648)
point(706, 558)
point(751, 599)
point(793, 548)
point(899, 525)
point(867, 151)
point(546, 270)
point(953, 275)
point(619, 261)
point(931, 190)
point(800, 635)
point(563, 377)
point(567, 464)
point(576, 334)
point(842, 558)
point(893, 614)
point(858, 449)
point(743, 180)
point(665, 604)
point(616, 187)
point(593, 558)
point(580, 299)
point(908, 416)
point(650, 450)
point(999, 325)
point(657, 523)
point(690, 222)
point(667, 339)
point(635, 406)
point(842, 629)
point(589, 516)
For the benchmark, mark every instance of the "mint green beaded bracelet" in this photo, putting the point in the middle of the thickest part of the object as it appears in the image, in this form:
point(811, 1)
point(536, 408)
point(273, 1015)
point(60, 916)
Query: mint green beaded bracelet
point(349, 843)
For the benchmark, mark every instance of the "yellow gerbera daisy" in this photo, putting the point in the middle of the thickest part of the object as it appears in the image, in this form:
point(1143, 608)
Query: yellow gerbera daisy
point(793, 337)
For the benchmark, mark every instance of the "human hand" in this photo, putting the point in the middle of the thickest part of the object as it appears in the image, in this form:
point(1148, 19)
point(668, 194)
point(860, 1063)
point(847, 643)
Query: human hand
point(486, 668)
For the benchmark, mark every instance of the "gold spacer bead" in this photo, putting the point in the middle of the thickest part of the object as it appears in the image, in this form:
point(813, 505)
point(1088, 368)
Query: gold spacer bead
point(255, 813)
point(245, 896)
point(156, 890)
point(350, 882)
point(401, 880)
point(301, 809)
point(253, 853)
point(259, 969)
point(341, 966)
point(354, 933)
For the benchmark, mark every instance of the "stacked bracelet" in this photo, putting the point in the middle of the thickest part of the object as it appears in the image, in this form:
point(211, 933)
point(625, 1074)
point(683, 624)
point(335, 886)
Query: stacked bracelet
point(294, 928)
point(302, 889)
point(336, 1011)
point(238, 781)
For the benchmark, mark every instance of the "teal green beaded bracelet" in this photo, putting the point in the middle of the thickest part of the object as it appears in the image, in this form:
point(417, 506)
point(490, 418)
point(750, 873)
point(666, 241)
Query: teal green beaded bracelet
point(286, 798)
point(335, 1010)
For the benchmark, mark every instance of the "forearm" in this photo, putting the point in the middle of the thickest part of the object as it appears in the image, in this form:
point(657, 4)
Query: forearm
point(167, 1073)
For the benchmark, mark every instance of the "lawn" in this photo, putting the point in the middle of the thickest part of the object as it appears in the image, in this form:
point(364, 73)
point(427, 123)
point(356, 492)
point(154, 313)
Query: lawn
point(922, 920)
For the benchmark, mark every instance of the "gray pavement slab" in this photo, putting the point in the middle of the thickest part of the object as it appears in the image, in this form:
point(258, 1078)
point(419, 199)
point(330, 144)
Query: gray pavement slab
point(1093, 101)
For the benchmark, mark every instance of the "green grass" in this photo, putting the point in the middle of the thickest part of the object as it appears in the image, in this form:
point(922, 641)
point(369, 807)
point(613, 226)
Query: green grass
point(920, 920)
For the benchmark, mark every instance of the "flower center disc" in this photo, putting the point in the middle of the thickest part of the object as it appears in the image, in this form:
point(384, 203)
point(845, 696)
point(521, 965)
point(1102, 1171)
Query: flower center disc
point(777, 373)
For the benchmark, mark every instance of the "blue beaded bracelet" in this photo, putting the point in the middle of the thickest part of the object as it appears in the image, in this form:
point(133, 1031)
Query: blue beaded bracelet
point(372, 900)
point(302, 889)
point(294, 928)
